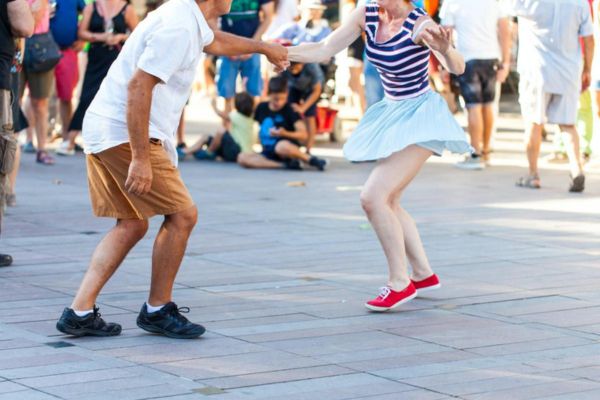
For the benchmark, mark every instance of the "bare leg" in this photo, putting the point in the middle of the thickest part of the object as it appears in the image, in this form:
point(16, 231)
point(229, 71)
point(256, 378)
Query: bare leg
point(40, 110)
point(169, 248)
point(66, 112)
point(379, 200)
point(72, 137)
point(228, 105)
point(533, 147)
point(198, 145)
point(357, 87)
point(107, 258)
point(311, 125)
point(476, 126)
point(414, 246)
point(181, 129)
point(215, 144)
point(489, 113)
point(285, 149)
point(571, 138)
point(12, 178)
point(30, 115)
point(257, 161)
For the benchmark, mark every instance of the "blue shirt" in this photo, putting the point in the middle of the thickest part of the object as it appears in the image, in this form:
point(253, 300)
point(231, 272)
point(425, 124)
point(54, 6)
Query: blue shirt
point(64, 23)
point(244, 18)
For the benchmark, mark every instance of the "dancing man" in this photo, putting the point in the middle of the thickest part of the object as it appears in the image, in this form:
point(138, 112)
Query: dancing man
point(402, 131)
point(131, 157)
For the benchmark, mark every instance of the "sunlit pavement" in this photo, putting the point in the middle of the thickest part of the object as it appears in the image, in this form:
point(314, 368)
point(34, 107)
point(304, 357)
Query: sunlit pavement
point(278, 269)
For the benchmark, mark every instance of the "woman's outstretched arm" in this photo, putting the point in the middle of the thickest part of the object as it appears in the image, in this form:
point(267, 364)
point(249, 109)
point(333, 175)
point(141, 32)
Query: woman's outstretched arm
point(337, 41)
point(439, 40)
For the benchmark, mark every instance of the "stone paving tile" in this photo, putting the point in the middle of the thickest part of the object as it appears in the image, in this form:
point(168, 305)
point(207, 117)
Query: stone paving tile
point(28, 395)
point(11, 387)
point(542, 391)
point(290, 375)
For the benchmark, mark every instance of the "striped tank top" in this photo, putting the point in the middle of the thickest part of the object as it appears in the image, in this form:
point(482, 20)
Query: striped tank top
point(402, 64)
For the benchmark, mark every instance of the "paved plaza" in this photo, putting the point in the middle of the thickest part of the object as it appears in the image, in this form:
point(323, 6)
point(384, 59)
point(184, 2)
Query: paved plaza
point(278, 270)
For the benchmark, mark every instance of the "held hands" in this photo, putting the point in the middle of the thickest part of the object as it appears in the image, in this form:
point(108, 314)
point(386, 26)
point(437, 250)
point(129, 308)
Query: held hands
point(278, 56)
point(139, 179)
point(438, 38)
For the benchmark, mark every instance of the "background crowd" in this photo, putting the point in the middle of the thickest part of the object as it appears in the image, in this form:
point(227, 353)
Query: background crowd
point(558, 82)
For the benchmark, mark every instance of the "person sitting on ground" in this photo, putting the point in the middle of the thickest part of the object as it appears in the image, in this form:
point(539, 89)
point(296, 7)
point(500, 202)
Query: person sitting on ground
point(305, 88)
point(233, 138)
point(281, 132)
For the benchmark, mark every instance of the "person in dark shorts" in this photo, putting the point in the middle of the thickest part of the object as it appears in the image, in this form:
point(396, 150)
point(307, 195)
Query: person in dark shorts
point(235, 137)
point(281, 133)
point(483, 38)
point(305, 87)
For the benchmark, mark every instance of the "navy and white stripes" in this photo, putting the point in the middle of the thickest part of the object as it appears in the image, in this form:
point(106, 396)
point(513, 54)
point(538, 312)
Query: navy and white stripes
point(402, 64)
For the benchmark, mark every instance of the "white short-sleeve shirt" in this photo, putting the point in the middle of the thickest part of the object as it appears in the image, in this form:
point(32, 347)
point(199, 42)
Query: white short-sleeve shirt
point(476, 27)
point(167, 44)
point(549, 46)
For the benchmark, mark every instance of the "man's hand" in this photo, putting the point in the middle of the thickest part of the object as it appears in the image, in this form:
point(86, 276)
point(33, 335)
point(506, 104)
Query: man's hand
point(78, 46)
point(502, 73)
point(586, 80)
point(277, 55)
point(276, 132)
point(298, 108)
point(139, 179)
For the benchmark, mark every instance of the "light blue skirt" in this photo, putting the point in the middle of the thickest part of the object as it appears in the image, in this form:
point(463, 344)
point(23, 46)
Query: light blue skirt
point(392, 125)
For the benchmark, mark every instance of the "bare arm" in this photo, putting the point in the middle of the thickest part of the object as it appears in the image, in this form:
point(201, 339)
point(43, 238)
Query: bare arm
point(20, 18)
point(226, 44)
point(588, 57)
point(222, 114)
point(38, 8)
point(505, 39)
point(300, 134)
point(337, 41)
point(439, 40)
point(268, 10)
point(312, 99)
point(139, 103)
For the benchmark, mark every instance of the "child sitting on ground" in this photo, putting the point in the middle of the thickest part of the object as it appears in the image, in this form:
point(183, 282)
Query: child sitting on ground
point(233, 138)
point(281, 132)
point(306, 85)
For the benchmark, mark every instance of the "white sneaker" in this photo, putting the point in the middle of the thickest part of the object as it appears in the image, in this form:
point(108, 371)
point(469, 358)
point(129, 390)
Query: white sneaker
point(471, 163)
point(63, 150)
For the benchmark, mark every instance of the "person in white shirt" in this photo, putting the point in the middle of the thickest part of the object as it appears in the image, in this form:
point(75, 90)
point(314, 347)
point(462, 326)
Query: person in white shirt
point(129, 134)
point(482, 33)
point(553, 73)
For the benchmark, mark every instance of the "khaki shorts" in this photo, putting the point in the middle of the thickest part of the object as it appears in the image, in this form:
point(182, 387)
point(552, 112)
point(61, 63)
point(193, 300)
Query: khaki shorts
point(107, 173)
point(40, 84)
point(541, 107)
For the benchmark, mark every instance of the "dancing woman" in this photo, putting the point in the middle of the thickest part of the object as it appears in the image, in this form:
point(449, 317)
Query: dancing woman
point(402, 131)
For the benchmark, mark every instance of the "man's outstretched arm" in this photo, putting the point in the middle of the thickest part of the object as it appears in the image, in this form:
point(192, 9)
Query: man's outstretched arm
point(228, 45)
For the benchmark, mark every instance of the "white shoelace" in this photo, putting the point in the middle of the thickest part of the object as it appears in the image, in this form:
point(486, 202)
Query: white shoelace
point(384, 292)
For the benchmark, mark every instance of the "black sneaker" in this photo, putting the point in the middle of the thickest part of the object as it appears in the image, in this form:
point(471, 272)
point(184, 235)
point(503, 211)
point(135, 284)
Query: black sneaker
point(294, 165)
point(90, 325)
point(168, 321)
point(5, 260)
point(318, 163)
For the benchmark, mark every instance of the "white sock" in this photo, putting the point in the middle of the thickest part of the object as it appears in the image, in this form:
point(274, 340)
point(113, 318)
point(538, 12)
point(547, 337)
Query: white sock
point(152, 309)
point(82, 314)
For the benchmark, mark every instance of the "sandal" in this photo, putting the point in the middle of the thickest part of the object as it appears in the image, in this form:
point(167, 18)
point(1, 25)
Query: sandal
point(44, 158)
point(530, 181)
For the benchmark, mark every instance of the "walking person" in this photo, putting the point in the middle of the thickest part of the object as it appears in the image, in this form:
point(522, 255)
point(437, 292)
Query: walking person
point(40, 88)
point(553, 73)
point(106, 25)
point(249, 19)
point(129, 136)
point(16, 21)
point(482, 32)
point(64, 25)
point(402, 131)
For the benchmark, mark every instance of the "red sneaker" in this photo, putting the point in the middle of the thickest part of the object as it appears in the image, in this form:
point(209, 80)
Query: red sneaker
point(431, 283)
point(389, 299)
